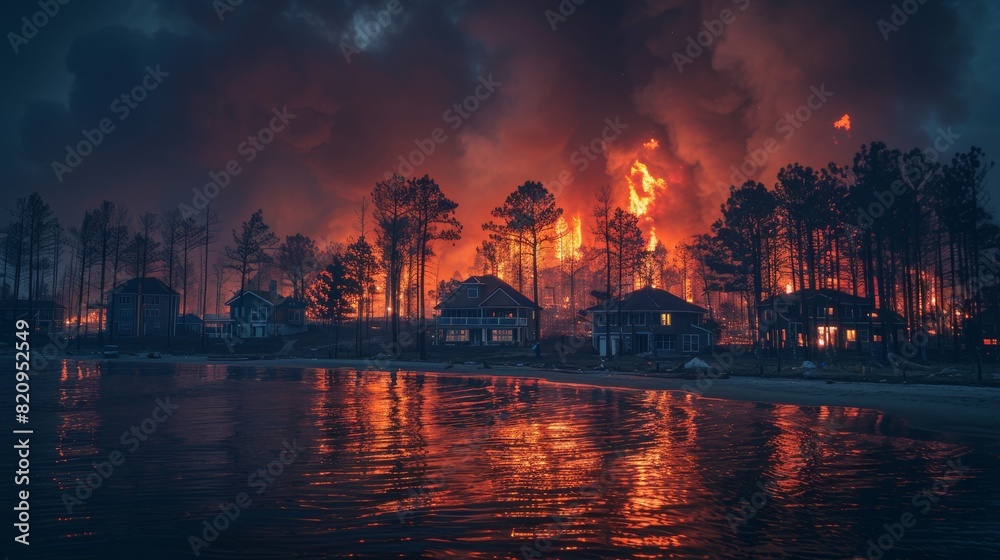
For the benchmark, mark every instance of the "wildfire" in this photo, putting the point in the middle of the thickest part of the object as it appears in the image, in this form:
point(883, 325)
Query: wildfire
point(652, 240)
point(643, 194)
point(788, 288)
point(844, 122)
point(570, 236)
point(652, 144)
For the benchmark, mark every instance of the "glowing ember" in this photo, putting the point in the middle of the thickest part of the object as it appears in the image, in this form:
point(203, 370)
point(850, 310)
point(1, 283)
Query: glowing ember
point(652, 144)
point(844, 122)
point(641, 195)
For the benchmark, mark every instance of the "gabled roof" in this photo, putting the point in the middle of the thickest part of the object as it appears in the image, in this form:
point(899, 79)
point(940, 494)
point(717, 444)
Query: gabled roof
point(35, 304)
point(650, 299)
point(492, 292)
point(266, 297)
point(273, 300)
point(150, 287)
point(821, 294)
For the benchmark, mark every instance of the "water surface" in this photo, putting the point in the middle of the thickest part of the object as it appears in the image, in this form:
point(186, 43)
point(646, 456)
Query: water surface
point(426, 466)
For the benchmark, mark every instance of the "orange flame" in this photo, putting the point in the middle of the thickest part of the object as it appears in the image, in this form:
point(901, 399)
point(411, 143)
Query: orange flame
point(652, 240)
point(570, 236)
point(642, 195)
point(652, 144)
point(844, 122)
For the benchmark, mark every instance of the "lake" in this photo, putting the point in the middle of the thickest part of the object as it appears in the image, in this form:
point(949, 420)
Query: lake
point(248, 462)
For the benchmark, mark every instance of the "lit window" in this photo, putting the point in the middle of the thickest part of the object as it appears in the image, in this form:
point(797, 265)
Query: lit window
point(666, 319)
point(456, 336)
point(852, 335)
point(503, 335)
point(989, 341)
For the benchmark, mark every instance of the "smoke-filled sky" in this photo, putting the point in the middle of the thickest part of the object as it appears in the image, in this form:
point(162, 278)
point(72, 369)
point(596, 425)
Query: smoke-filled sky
point(541, 82)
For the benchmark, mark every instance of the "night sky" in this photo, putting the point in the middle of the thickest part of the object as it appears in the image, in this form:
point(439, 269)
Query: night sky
point(606, 68)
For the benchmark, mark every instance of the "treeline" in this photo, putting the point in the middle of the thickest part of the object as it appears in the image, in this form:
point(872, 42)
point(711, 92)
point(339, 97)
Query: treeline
point(911, 234)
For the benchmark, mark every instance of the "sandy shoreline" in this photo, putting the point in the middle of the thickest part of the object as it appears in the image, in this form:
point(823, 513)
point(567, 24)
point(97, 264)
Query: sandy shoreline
point(941, 408)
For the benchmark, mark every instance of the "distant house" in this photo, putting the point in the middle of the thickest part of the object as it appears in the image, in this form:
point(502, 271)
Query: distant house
point(832, 319)
point(987, 325)
point(189, 324)
point(258, 314)
point(486, 310)
point(652, 321)
point(142, 307)
point(46, 315)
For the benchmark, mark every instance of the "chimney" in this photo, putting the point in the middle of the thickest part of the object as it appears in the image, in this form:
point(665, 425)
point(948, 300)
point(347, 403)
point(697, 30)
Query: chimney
point(272, 288)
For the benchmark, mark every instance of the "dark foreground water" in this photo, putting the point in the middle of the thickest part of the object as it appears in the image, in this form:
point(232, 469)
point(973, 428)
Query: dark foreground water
point(290, 463)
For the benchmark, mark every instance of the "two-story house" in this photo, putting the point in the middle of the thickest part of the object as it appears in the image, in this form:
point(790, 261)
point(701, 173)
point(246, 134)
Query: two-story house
point(258, 314)
point(650, 320)
point(142, 307)
point(823, 319)
point(486, 310)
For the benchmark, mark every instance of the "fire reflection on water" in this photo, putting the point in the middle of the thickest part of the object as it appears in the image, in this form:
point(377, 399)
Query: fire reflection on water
point(480, 466)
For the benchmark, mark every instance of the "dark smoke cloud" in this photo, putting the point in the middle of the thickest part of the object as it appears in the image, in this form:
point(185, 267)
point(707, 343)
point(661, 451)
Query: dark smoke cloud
point(353, 120)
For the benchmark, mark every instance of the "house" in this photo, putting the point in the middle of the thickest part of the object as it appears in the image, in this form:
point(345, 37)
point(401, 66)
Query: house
point(46, 315)
point(258, 314)
point(142, 307)
point(189, 324)
point(986, 325)
point(825, 318)
point(486, 310)
point(650, 320)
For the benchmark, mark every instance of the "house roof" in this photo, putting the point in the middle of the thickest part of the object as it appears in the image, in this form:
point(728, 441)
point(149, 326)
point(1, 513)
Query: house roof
point(650, 299)
point(492, 292)
point(150, 287)
point(35, 304)
point(189, 319)
point(826, 294)
point(273, 300)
